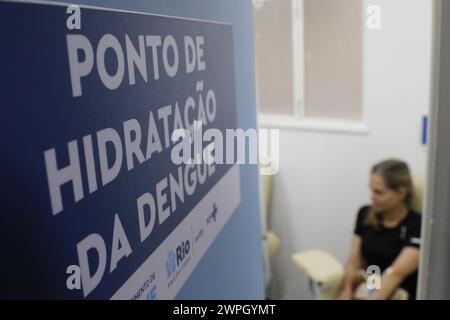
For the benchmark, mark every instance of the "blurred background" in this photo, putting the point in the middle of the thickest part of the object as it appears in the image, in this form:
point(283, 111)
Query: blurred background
point(348, 84)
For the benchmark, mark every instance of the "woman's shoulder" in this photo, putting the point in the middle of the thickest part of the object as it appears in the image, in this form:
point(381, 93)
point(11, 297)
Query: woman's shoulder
point(364, 210)
point(414, 217)
point(360, 220)
point(362, 213)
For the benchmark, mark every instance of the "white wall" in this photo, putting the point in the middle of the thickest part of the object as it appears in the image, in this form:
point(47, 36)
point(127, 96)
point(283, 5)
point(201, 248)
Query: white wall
point(323, 177)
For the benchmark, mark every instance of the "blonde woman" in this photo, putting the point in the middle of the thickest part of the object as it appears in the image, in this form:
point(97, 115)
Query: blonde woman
point(386, 235)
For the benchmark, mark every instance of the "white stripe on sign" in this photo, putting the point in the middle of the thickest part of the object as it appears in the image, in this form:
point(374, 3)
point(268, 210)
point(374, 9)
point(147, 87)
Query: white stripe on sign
point(176, 258)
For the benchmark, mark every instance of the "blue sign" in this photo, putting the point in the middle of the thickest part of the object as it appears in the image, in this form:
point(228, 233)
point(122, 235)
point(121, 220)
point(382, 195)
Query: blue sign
point(88, 175)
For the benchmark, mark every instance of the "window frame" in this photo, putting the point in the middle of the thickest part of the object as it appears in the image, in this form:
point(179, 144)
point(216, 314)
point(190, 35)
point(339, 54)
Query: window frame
point(297, 120)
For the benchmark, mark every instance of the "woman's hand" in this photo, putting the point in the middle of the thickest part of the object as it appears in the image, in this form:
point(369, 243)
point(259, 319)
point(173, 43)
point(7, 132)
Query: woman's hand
point(345, 294)
point(351, 277)
point(405, 264)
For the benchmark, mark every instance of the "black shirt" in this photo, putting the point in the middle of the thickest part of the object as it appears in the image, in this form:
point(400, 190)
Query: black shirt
point(382, 246)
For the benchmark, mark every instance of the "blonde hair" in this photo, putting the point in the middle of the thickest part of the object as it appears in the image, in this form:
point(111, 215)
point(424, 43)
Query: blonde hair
point(396, 175)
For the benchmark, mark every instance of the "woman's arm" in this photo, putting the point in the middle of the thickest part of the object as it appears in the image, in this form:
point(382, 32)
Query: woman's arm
point(354, 263)
point(406, 263)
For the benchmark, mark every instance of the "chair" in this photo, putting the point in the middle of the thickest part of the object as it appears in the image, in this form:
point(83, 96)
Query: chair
point(271, 242)
point(325, 273)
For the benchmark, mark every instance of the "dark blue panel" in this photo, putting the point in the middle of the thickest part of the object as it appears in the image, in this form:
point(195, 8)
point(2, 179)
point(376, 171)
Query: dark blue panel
point(39, 112)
